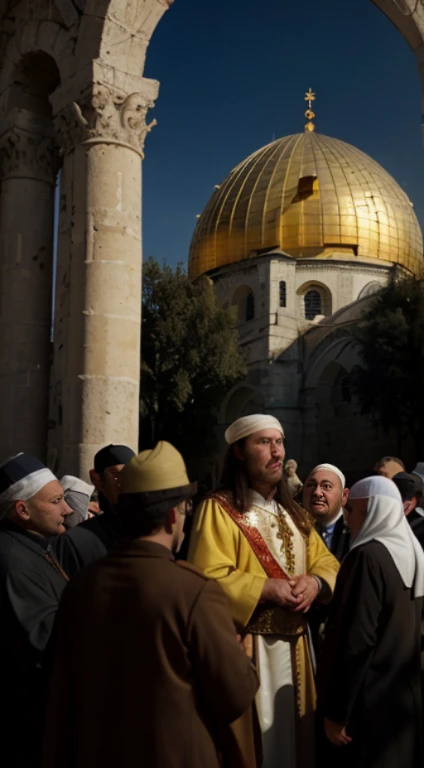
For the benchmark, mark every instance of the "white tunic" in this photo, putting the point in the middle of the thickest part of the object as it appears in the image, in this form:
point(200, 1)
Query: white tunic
point(275, 699)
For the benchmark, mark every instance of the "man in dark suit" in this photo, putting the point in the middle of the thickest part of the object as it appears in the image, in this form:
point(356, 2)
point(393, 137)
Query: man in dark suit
point(324, 496)
point(147, 670)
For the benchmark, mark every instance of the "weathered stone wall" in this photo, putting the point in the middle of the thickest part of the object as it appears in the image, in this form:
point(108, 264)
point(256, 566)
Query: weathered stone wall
point(95, 120)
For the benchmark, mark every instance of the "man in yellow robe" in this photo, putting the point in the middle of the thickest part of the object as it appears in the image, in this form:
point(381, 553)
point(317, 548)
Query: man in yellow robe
point(272, 565)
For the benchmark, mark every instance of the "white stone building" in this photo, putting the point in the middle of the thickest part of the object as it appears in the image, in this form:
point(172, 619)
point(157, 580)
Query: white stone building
point(297, 237)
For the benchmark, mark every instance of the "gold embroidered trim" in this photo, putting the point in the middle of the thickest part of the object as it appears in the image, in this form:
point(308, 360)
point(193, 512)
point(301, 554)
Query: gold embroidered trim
point(273, 620)
point(271, 567)
point(285, 533)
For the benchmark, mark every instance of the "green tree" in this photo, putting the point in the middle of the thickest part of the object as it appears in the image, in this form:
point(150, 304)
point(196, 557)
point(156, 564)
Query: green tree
point(190, 360)
point(392, 337)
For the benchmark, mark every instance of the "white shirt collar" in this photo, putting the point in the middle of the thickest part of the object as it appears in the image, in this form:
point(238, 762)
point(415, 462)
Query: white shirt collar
point(258, 501)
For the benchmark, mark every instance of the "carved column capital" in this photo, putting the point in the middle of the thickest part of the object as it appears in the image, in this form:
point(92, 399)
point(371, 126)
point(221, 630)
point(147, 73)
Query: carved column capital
point(28, 154)
point(104, 114)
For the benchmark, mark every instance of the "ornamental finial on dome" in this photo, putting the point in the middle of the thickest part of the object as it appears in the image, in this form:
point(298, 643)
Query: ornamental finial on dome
point(309, 114)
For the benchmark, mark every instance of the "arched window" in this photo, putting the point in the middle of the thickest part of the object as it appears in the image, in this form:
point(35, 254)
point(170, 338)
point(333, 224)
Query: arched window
point(244, 300)
point(250, 306)
point(283, 293)
point(313, 304)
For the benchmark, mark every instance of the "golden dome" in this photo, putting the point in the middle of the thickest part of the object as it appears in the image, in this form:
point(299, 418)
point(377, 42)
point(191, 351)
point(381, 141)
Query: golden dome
point(308, 195)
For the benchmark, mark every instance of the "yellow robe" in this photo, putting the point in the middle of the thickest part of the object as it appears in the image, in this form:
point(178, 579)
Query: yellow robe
point(221, 550)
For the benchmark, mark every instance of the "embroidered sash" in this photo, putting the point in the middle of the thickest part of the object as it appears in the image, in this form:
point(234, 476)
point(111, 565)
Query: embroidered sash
point(272, 569)
point(267, 619)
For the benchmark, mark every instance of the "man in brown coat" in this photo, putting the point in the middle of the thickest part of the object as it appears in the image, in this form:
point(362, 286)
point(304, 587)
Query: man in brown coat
point(148, 671)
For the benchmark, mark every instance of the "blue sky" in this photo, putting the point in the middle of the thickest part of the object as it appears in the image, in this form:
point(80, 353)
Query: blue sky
point(233, 75)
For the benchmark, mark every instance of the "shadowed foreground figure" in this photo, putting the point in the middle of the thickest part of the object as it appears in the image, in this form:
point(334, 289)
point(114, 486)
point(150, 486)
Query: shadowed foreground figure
point(148, 670)
point(369, 690)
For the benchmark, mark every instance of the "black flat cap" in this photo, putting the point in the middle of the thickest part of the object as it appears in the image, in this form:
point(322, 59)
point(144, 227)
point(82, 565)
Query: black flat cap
point(409, 485)
point(111, 455)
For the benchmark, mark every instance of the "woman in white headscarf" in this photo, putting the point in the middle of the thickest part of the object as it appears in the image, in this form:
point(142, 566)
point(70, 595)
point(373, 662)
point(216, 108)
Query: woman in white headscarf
point(369, 692)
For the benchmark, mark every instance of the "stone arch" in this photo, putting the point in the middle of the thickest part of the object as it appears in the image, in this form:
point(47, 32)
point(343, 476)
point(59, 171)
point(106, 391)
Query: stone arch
point(314, 295)
point(242, 400)
point(341, 351)
point(119, 32)
point(35, 35)
point(331, 423)
point(34, 78)
point(370, 289)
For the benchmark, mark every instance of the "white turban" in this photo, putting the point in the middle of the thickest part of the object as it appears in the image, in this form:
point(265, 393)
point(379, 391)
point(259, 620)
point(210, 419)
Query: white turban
point(333, 469)
point(247, 425)
point(27, 487)
point(386, 522)
point(71, 483)
point(77, 496)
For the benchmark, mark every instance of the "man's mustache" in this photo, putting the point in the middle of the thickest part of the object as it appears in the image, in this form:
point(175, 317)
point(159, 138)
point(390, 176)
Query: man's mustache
point(275, 461)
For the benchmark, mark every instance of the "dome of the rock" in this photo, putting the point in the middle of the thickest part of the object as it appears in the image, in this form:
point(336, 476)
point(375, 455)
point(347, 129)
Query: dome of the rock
point(308, 195)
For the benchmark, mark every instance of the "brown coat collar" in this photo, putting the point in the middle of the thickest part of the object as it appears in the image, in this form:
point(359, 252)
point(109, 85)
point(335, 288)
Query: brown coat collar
point(142, 548)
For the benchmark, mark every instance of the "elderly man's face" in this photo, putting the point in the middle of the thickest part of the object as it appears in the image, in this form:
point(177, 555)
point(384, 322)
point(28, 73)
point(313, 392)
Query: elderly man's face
point(264, 453)
point(45, 512)
point(323, 495)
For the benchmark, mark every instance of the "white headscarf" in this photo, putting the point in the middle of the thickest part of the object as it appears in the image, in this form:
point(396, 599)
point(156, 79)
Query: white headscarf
point(247, 425)
point(386, 522)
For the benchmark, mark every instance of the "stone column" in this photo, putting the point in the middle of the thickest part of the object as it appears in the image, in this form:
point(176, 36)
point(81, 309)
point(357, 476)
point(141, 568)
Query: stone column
point(98, 297)
point(29, 164)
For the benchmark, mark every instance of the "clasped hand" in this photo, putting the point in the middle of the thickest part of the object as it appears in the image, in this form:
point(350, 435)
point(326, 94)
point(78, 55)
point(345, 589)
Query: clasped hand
point(296, 594)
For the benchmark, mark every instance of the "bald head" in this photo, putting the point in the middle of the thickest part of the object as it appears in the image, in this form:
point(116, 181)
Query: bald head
point(324, 494)
point(389, 466)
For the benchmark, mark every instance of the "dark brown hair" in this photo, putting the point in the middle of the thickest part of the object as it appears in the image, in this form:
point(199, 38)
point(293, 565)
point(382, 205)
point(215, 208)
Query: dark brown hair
point(235, 481)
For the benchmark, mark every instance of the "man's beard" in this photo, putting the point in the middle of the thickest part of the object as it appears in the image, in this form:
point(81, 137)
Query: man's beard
point(271, 477)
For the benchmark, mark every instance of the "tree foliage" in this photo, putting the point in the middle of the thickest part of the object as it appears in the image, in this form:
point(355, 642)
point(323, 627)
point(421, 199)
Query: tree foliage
point(392, 338)
point(190, 359)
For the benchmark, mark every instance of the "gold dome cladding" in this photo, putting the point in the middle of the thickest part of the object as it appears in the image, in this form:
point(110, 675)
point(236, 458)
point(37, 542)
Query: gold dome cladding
point(308, 195)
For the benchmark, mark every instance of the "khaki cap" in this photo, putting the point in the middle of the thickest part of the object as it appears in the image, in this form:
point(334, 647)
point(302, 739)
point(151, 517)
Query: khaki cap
point(158, 469)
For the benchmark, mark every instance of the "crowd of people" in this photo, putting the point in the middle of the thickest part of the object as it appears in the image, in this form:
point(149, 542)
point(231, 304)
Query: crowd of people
point(290, 636)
